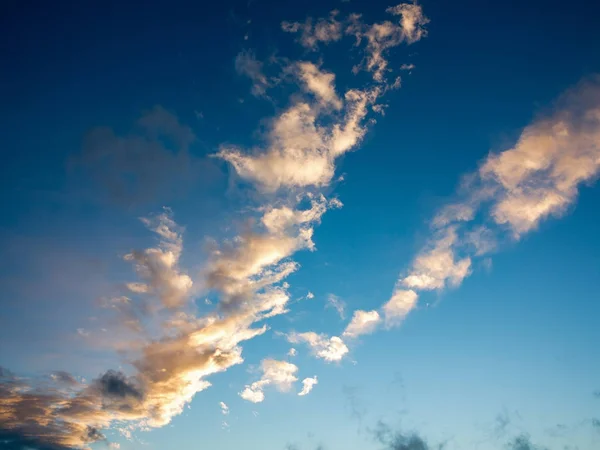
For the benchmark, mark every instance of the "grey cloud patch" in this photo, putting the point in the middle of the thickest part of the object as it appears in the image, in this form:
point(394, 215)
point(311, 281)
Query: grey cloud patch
point(116, 384)
point(523, 442)
point(397, 440)
point(16, 441)
point(150, 163)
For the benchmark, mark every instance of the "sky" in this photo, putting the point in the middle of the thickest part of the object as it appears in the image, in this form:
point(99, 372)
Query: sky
point(300, 225)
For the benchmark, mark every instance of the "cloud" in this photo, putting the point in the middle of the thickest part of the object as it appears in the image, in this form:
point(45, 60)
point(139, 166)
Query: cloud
point(151, 163)
point(159, 266)
point(382, 36)
point(307, 385)
point(303, 142)
point(398, 440)
point(399, 305)
point(333, 301)
point(515, 189)
point(224, 408)
point(319, 83)
point(300, 151)
point(321, 31)
point(292, 352)
point(363, 322)
point(115, 385)
point(438, 266)
point(328, 348)
point(510, 193)
point(247, 64)
point(280, 374)
point(174, 349)
point(523, 442)
point(541, 174)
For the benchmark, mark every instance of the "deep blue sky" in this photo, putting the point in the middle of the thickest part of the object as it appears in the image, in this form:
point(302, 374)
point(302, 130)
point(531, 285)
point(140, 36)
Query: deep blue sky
point(519, 338)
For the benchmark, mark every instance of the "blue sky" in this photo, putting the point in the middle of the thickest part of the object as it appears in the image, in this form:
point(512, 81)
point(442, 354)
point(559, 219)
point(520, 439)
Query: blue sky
point(404, 195)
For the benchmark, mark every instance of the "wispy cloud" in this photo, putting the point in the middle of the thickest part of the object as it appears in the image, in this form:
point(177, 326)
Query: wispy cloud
point(247, 64)
point(224, 408)
point(509, 195)
point(333, 301)
point(170, 348)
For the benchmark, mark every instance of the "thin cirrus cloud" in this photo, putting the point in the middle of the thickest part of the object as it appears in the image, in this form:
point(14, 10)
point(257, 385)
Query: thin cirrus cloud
point(169, 348)
point(333, 301)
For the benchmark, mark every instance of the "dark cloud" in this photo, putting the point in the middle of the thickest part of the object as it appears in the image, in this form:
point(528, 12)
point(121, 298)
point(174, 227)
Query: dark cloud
point(523, 442)
point(398, 440)
point(115, 384)
point(15, 441)
point(152, 163)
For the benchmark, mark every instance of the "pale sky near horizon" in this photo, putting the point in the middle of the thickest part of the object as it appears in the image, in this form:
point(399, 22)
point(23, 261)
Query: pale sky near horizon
point(300, 225)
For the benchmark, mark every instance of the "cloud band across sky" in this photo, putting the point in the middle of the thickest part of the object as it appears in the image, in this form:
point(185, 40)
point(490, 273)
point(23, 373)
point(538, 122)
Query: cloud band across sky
point(169, 346)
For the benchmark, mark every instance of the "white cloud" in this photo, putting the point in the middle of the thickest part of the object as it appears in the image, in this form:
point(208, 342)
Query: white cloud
point(512, 191)
point(302, 148)
point(330, 349)
point(304, 141)
point(307, 385)
point(253, 393)
point(438, 266)
point(174, 351)
point(224, 408)
point(280, 374)
point(320, 83)
point(292, 352)
point(363, 322)
point(159, 266)
point(333, 301)
point(381, 37)
point(400, 304)
point(412, 21)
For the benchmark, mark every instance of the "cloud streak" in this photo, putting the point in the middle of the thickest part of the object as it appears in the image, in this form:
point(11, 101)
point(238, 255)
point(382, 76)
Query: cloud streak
point(170, 350)
point(509, 195)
